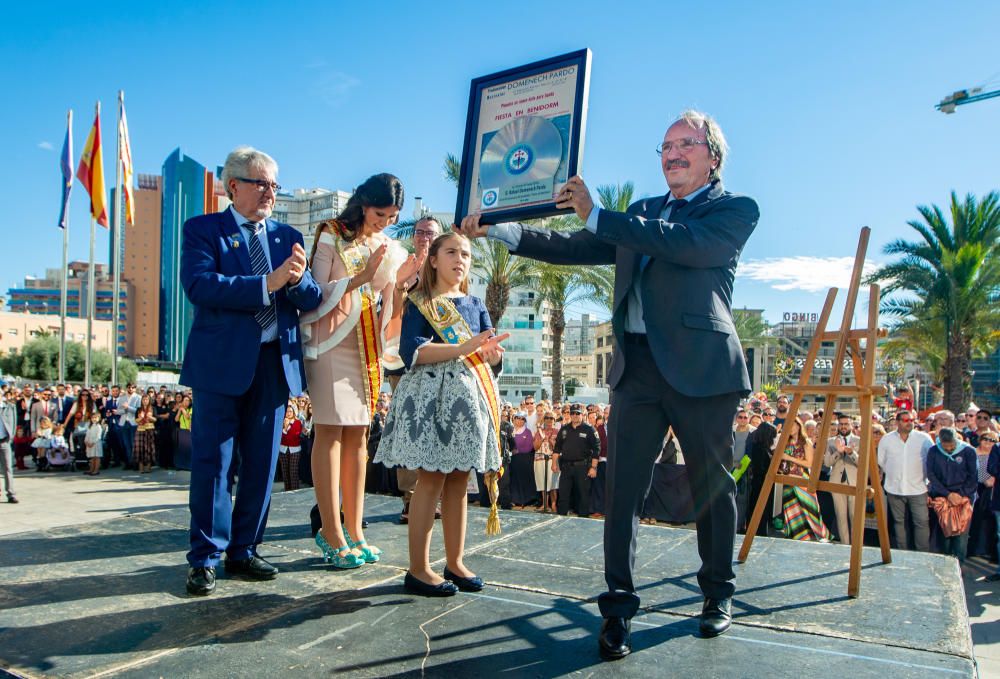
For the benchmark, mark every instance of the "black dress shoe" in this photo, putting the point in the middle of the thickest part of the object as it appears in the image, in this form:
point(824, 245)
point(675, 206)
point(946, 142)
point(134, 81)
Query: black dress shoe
point(716, 617)
point(254, 568)
point(993, 578)
point(201, 581)
point(616, 638)
point(420, 587)
point(473, 584)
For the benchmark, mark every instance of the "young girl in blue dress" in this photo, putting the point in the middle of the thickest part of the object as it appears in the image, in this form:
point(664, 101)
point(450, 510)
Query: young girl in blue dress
point(444, 418)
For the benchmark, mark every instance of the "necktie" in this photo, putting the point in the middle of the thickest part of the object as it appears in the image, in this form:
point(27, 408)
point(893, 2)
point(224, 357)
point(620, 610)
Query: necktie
point(267, 316)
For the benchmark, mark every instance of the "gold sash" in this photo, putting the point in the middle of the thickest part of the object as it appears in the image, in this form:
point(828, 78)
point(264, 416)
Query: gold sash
point(369, 330)
point(450, 326)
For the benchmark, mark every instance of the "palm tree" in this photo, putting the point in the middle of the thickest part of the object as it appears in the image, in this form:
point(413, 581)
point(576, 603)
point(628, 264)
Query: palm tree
point(951, 275)
point(561, 287)
point(616, 197)
point(502, 272)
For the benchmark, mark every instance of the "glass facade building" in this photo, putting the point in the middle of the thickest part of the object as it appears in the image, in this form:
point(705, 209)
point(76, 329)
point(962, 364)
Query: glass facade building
point(189, 189)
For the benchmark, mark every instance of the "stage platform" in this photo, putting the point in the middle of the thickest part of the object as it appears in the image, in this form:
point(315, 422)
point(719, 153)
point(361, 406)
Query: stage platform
point(108, 600)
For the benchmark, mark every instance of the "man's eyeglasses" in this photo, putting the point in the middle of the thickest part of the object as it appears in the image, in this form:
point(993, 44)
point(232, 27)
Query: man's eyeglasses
point(424, 233)
point(983, 417)
point(262, 184)
point(904, 421)
point(685, 145)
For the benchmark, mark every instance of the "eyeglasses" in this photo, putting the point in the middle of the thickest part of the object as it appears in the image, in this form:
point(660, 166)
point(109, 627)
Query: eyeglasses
point(262, 184)
point(424, 233)
point(986, 440)
point(685, 145)
point(982, 417)
point(906, 421)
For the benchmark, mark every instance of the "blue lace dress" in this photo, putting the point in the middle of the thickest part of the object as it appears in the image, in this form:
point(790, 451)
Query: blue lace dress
point(439, 419)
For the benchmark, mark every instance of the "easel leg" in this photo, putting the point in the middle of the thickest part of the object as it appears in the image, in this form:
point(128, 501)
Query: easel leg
point(880, 509)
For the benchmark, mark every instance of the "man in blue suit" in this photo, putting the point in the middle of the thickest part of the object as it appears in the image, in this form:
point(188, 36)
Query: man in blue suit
point(246, 276)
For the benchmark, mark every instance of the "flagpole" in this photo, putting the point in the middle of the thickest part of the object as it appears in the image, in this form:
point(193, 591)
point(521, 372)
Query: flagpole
point(91, 296)
point(91, 299)
point(116, 239)
point(65, 277)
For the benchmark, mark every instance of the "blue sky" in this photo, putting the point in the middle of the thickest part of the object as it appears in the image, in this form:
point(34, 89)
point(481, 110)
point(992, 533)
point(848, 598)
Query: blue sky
point(829, 110)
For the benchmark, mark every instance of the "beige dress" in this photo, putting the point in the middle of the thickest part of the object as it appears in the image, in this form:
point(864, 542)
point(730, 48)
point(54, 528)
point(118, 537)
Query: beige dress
point(331, 348)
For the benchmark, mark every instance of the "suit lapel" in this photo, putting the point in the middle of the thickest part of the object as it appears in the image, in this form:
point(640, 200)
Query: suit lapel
point(236, 237)
point(276, 247)
point(627, 261)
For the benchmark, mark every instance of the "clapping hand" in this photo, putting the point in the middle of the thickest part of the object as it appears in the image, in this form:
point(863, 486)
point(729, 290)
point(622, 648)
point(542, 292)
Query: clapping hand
point(290, 272)
point(410, 267)
point(491, 350)
point(487, 344)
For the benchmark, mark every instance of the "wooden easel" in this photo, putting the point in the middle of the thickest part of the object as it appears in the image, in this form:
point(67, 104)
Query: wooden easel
point(865, 391)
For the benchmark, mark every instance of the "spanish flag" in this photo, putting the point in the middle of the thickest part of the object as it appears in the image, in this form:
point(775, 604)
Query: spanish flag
point(90, 172)
point(125, 152)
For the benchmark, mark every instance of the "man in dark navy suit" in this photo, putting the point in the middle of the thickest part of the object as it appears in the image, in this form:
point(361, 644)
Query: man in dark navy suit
point(246, 276)
point(677, 362)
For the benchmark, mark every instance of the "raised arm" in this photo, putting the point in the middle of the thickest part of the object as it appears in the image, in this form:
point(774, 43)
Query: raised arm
point(714, 239)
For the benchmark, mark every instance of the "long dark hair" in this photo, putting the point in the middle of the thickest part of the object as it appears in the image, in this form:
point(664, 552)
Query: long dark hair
point(380, 190)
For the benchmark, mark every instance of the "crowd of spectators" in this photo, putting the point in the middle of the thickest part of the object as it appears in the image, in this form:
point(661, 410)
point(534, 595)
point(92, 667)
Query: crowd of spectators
point(73, 428)
point(938, 474)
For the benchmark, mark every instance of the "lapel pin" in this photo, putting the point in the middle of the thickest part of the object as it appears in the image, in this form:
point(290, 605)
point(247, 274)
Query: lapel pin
point(277, 240)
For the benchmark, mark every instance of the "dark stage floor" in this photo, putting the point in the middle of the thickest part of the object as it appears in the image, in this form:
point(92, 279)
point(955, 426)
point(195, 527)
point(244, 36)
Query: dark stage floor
point(109, 600)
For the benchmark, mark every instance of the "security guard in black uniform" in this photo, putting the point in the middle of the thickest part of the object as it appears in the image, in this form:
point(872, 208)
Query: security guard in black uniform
point(576, 455)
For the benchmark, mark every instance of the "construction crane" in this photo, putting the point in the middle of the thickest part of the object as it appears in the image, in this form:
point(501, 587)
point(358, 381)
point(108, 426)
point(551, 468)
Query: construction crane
point(963, 97)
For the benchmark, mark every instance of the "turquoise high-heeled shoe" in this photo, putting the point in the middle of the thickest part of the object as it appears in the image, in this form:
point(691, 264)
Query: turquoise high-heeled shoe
point(369, 553)
point(342, 558)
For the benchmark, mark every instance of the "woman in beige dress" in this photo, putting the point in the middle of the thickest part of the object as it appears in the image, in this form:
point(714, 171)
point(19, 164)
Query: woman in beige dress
point(345, 341)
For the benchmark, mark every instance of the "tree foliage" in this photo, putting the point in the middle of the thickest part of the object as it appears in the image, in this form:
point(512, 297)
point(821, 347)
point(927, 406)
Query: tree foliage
point(39, 360)
point(950, 277)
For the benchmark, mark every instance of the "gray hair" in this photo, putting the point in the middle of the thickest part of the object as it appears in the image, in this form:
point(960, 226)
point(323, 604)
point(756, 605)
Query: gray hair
point(241, 160)
point(717, 146)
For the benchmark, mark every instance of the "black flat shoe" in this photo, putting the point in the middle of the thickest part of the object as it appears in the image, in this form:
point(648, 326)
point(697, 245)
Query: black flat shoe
point(473, 584)
point(201, 581)
point(254, 568)
point(716, 617)
point(615, 640)
point(420, 587)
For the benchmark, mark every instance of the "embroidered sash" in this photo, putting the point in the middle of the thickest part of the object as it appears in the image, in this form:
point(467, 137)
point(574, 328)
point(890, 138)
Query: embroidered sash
point(449, 324)
point(369, 331)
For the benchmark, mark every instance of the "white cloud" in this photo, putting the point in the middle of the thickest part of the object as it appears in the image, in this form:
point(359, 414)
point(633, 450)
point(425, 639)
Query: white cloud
point(46, 146)
point(334, 87)
point(809, 274)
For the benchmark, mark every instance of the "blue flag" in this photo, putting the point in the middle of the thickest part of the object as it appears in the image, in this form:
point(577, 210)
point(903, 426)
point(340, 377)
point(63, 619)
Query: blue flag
point(66, 164)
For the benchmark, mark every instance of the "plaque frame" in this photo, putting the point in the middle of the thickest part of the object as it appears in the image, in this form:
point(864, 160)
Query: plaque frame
point(468, 193)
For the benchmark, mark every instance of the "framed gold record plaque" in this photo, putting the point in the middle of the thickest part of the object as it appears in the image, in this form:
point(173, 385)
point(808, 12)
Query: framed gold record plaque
point(523, 139)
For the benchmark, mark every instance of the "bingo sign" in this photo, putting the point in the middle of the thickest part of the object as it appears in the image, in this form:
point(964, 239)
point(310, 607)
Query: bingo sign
point(800, 317)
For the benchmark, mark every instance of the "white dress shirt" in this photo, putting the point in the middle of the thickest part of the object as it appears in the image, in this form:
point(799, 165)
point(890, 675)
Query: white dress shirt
point(904, 462)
